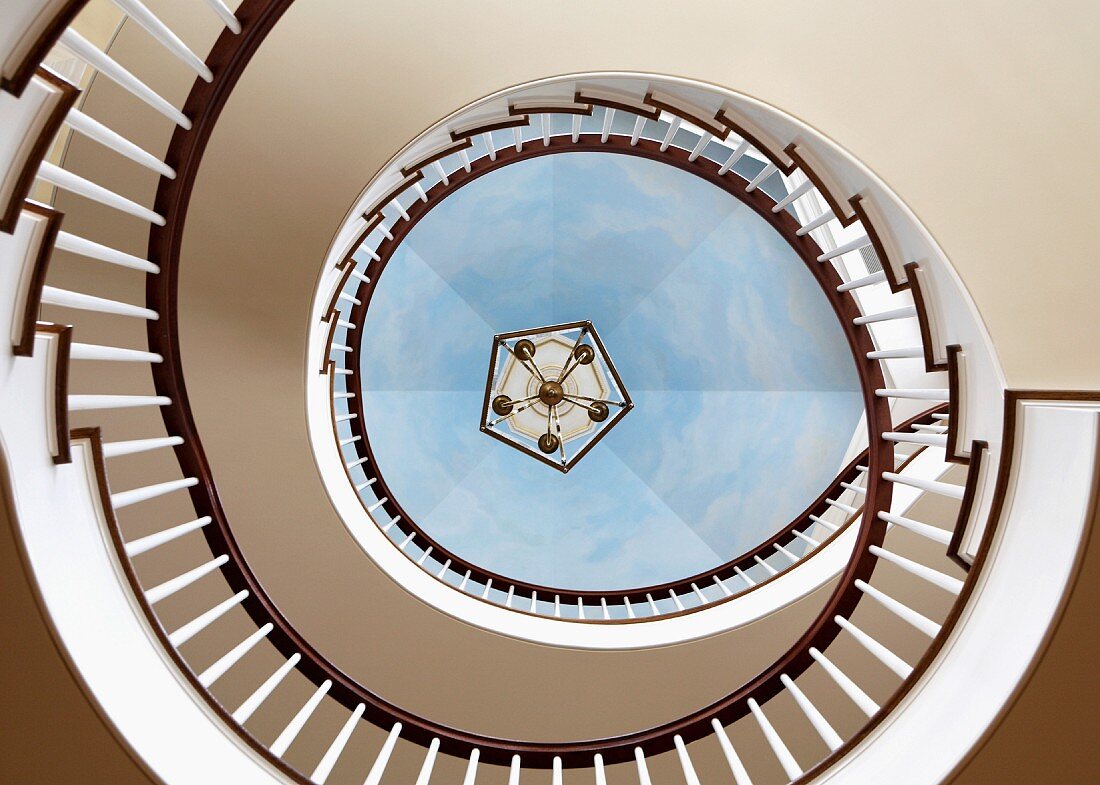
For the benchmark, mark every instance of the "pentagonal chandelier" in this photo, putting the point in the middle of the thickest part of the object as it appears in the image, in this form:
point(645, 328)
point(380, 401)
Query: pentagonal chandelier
point(552, 392)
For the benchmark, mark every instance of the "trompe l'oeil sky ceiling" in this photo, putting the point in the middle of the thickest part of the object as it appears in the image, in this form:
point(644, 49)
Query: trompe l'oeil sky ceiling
point(745, 394)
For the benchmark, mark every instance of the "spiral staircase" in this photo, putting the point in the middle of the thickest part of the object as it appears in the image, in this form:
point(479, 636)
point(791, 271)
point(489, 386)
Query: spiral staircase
point(186, 291)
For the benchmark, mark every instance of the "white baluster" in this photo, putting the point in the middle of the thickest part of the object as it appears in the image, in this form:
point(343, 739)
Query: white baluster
point(227, 17)
point(935, 577)
point(690, 777)
point(513, 773)
point(78, 245)
point(884, 655)
point(921, 622)
point(740, 776)
point(126, 498)
point(88, 52)
point(160, 31)
point(147, 543)
point(826, 731)
point(471, 767)
point(332, 754)
point(374, 776)
point(426, 767)
point(935, 533)
point(173, 585)
point(764, 174)
point(97, 131)
point(643, 770)
point(253, 701)
point(204, 620)
point(849, 687)
point(233, 656)
point(673, 127)
point(51, 295)
point(933, 486)
point(907, 312)
point(291, 731)
point(735, 156)
point(840, 250)
point(805, 187)
point(782, 754)
point(135, 446)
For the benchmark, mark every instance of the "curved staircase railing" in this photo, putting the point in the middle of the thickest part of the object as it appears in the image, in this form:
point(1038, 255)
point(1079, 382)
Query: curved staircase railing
point(929, 442)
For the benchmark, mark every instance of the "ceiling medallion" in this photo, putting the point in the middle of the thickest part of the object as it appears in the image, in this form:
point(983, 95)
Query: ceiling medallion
point(552, 392)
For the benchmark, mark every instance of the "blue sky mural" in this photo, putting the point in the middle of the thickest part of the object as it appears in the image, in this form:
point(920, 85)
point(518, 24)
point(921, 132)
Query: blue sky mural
point(746, 395)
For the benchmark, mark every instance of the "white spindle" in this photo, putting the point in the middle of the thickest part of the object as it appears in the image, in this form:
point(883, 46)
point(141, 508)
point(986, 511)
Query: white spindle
point(82, 403)
point(580, 607)
point(555, 776)
point(488, 586)
point(782, 754)
point(941, 536)
point(701, 145)
point(441, 172)
point(233, 656)
point(880, 652)
point(332, 754)
point(673, 127)
point(173, 585)
point(160, 31)
point(826, 731)
point(511, 595)
point(51, 295)
point(849, 687)
point(911, 352)
point(545, 131)
point(767, 567)
point(89, 351)
point(597, 764)
point(940, 394)
point(204, 620)
point(513, 772)
point(608, 116)
point(636, 134)
point(790, 556)
point(929, 439)
point(471, 767)
point(735, 156)
point(933, 486)
point(294, 727)
point(126, 498)
point(764, 174)
point(902, 611)
point(643, 770)
point(88, 52)
point(606, 612)
point(846, 508)
point(737, 768)
point(935, 577)
point(253, 701)
point(907, 312)
point(147, 543)
point(821, 220)
point(115, 449)
point(722, 585)
point(428, 552)
point(374, 776)
point(825, 523)
point(690, 777)
point(97, 131)
point(78, 245)
point(575, 131)
point(743, 576)
point(859, 283)
point(840, 250)
point(699, 593)
point(652, 605)
point(675, 600)
point(806, 538)
point(805, 187)
point(429, 763)
point(227, 16)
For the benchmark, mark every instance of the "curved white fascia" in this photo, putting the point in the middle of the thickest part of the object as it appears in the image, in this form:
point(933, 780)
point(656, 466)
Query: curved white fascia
point(1005, 625)
point(805, 577)
point(60, 524)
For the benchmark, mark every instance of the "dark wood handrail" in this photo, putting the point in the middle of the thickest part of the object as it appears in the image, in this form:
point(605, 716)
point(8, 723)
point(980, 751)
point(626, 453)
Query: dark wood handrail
point(227, 60)
point(406, 523)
